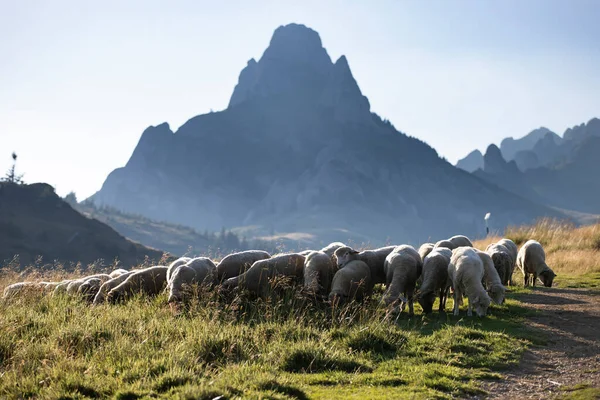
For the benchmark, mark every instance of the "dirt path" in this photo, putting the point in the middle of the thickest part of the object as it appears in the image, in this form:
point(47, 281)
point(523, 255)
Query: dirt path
point(570, 318)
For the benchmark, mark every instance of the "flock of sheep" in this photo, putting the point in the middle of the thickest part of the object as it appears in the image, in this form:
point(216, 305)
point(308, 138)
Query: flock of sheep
point(337, 273)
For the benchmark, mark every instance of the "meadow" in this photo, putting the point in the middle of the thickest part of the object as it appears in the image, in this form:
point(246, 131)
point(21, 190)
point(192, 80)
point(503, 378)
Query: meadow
point(282, 347)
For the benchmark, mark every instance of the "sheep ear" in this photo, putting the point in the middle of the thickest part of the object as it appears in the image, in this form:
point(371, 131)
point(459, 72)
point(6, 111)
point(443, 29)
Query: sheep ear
point(353, 252)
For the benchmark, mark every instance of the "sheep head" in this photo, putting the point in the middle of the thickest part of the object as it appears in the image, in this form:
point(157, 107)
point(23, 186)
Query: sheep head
point(344, 255)
point(547, 277)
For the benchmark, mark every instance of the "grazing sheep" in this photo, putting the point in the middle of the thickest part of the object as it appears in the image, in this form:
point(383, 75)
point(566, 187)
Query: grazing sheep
point(108, 286)
point(256, 279)
point(402, 268)
point(446, 244)
point(531, 260)
point(150, 281)
point(331, 248)
point(173, 266)
point(425, 249)
point(491, 278)
point(352, 282)
point(74, 285)
point(90, 288)
point(237, 263)
point(200, 271)
point(61, 288)
point(305, 252)
point(375, 259)
point(503, 261)
point(513, 251)
point(49, 286)
point(318, 273)
point(117, 272)
point(460, 241)
point(435, 278)
point(17, 288)
point(465, 273)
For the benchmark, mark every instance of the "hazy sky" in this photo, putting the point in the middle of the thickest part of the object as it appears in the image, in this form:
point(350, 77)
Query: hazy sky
point(81, 80)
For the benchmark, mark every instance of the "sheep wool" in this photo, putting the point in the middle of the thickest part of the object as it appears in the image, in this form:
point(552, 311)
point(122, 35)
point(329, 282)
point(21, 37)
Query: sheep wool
point(531, 260)
point(435, 278)
point(465, 273)
point(237, 263)
point(353, 282)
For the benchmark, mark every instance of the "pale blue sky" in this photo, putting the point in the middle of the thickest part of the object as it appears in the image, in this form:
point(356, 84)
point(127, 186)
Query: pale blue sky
point(81, 80)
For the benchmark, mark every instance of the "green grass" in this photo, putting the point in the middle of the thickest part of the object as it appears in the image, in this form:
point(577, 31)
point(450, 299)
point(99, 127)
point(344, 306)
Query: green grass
point(280, 348)
point(586, 281)
point(581, 391)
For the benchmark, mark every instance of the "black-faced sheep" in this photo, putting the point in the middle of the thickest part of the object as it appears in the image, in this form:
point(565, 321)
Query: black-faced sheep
point(402, 267)
point(237, 263)
point(352, 282)
point(256, 278)
point(150, 281)
point(435, 278)
point(465, 273)
point(375, 259)
point(531, 260)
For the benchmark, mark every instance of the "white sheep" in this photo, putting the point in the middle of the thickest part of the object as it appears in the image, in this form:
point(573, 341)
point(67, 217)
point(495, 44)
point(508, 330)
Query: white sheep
point(199, 271)
point(402, 268)
point(352, 282)
point(173, 266)
point(74, 285)
point(319, 269)
point(375, 259)
point(108, 286)
point(445, 244)
point(237, 263)
point(425, 249)
point(331, 248)
point(465, 273)
point(513, 250)
point(531, 260)
point(491, 278)
point(61, 288)
point(150, 281)
point(17, 288)
point(256, 278)
point(117, 272)
point(90, 288)
point(460, 241)
point(503, 261)
point(434, 279)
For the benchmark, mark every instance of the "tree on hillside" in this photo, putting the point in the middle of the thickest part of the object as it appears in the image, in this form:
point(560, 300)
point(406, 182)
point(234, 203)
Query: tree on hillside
point(11, 175)
point(71, 198)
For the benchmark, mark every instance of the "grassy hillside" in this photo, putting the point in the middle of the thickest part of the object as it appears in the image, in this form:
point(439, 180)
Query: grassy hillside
point(283, 347)
point(37, 226)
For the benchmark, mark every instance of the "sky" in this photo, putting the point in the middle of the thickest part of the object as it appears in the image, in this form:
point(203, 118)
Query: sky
point(80, 81)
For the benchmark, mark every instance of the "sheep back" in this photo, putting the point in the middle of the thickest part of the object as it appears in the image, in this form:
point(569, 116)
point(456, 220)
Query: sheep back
point(150, 281)
point(352, 282)
point(318, 272)
point(237, 263)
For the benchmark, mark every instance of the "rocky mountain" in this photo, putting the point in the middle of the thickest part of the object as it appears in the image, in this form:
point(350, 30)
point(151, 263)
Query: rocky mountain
point(298, 154)
point(510, 147)
point(35, 222)
point(559, 173)
point(472, 162)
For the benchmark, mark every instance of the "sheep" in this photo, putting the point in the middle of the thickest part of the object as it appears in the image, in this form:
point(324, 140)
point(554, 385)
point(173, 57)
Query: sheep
point(200, 271)
point(117, 272)
point(435, 278)
point(402, 268)
point(61, 288)
point(305, 252)
point(150, 281)
point(16, 288)
point(531, 260)
point(237, 263)
point(74, 285)
point(49, 286)
point(491, 278)
point(318, 273)
point(460, 241)
point(465, 273)
point(503, 261)
point(331, 248)
point(90, 288)
point(256, 278)
point(513, 251)
point(352, 282)
point(425, 249)
point(375, 259)
point(173, 266)
point(446, 244)
point(108, 286)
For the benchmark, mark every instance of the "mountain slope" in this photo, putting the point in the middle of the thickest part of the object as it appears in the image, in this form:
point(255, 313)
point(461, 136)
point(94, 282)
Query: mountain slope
point(34, 222)
point(298, 150)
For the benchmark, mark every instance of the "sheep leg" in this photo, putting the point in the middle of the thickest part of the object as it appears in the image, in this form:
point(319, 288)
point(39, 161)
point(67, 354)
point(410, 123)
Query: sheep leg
point(411, 309)
point(534, 278)
point(456, 297)
point(526, 280)
point(470, 309)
